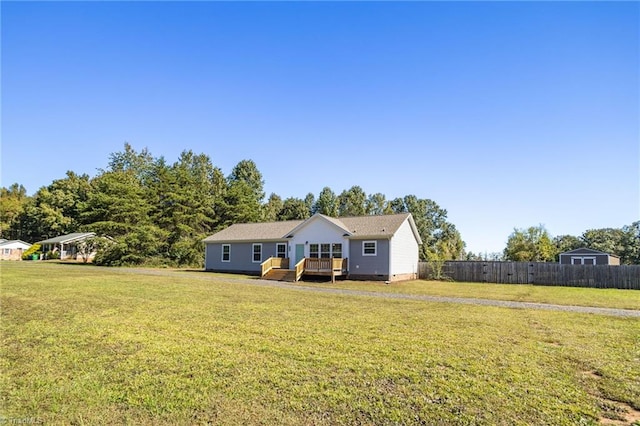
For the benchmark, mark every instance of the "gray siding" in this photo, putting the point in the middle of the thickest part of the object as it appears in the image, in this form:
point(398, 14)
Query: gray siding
point(369, 265)
point(601, 259)
point(241, 257)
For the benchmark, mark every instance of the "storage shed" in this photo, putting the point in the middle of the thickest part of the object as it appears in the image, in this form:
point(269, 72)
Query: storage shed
point(586, 256)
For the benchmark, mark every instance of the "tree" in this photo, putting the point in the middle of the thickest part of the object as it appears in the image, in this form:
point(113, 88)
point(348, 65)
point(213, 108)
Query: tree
point(185, 196)
point(351, 202)
point(608, 240)
point(272, 208)
point(247, 171)
point(530, 245)
point(240, 205)
point(565, 243)
point(631, 244)
point(140, 164)
point(117, 207)
point(377, 204)
point(12, 204)
point(327, 203)
point(55, 209)
point(309, 202)
point(293, 209)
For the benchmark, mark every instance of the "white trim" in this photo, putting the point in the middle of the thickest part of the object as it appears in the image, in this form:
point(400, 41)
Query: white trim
point(253, 253)
point(375, 248)
point(285, 249)
point(583, 258)
point(222, 253)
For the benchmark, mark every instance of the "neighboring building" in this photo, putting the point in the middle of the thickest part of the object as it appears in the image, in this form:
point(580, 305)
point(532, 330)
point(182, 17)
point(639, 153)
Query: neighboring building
point(364, 247)
point(585, 256)
point(12, 250)
point(66, 245)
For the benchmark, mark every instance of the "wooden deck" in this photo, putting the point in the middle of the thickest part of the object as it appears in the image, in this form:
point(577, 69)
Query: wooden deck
point(330, 267)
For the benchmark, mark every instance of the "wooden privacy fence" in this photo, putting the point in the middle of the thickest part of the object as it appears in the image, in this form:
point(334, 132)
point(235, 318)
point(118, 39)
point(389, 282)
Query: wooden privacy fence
point(538, 273)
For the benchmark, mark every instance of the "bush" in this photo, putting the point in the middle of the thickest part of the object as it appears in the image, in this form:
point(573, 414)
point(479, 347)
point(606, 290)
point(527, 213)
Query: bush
point(34, 249)
point(53, 255)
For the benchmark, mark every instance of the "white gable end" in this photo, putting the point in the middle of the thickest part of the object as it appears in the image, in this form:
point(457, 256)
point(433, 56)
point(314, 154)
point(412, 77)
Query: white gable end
point(319, 231)
point(404, 251)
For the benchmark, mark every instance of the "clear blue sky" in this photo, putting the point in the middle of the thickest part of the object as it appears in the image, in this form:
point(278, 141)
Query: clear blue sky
point(507, 114)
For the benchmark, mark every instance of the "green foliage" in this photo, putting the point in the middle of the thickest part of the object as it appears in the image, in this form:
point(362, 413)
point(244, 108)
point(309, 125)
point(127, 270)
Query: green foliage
point(247, 171)
point(530, 245)
point(351, 202)
point(272, 208)
point(327, 203)
point(12, 202)
point(292, 209)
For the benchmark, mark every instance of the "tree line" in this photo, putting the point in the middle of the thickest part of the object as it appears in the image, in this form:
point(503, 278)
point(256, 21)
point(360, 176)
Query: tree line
point(535, 244)
point(154, 212)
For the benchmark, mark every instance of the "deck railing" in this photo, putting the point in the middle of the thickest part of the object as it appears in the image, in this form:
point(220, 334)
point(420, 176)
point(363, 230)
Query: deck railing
point(273, 263)
point(300, 269)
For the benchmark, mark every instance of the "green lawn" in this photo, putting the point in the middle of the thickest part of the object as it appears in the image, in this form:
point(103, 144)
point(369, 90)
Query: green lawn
point(81, 345)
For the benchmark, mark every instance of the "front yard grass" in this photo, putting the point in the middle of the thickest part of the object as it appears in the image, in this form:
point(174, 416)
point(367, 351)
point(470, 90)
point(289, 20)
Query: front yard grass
point(82, 345)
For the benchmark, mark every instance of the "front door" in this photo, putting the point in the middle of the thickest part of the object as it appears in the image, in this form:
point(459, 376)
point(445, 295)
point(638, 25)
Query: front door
point(299, 252)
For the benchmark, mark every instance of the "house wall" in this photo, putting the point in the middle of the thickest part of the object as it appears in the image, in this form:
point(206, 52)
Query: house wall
point(241, 259)
point(369, 267)
point(7, 253)
point(13, 250)
point(404, 254)
point(317, 231)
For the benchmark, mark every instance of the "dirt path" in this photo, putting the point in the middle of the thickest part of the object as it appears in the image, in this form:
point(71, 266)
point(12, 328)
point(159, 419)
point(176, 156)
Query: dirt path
point(348, 292)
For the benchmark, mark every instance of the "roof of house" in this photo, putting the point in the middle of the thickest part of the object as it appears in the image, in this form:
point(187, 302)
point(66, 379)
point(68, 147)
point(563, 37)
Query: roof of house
point(11, 242)
point(585, 250)
point(383, 226)
point(69, 238)
point(254, 231)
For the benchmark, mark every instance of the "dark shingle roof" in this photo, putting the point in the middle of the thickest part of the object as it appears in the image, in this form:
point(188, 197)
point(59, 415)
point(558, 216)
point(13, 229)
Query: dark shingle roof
point(254, 231)
point(383, 226)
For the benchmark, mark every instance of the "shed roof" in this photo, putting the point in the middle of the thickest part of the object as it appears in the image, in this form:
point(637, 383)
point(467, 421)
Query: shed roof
point(585, 250)
point(69, 238)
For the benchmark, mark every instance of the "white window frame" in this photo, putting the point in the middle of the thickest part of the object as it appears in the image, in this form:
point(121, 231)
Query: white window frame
point(222, 253)
point(317, 252)
point(333, 246)
point(253, 252)
point(278, 245)
point(375, 248)
point(582, 259)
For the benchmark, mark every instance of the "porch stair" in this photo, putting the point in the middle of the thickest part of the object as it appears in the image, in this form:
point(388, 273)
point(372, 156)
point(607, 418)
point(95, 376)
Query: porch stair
point(276, 274)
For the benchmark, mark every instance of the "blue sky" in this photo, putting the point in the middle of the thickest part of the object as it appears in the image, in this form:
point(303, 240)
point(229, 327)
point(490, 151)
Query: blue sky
point(507, 114)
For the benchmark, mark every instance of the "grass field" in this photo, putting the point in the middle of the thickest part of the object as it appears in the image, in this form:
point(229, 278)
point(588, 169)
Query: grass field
point(85, 345)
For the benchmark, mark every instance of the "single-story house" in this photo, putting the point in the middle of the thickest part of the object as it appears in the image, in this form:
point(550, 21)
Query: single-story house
point(67, 245)
point(13, 249)
point(363, 247)
point(586, 256)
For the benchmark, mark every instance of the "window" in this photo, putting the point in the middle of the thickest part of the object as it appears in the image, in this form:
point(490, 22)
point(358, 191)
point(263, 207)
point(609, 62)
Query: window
point(336, 250)
point(369, 248)
point(576, 260)
point(281, 250)
point(313, 250)
point(257, 253)
point(226, 252)
point(325, 251)
point(7, 251)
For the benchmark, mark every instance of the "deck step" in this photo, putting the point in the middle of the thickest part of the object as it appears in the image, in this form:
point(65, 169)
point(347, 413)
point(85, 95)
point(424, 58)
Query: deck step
point(280, 275)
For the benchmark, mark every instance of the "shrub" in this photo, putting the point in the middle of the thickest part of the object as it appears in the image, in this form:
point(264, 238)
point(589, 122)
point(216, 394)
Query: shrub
point(34, 249)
